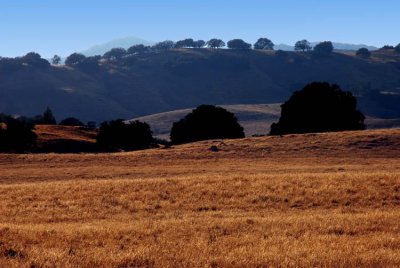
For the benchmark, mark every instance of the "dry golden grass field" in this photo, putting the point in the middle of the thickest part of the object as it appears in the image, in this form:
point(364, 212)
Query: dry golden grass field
point(316, 200)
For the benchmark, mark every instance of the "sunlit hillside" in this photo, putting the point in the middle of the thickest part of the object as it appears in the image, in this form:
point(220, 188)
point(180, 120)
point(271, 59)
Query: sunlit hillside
point(54, 138)
point(298, 200)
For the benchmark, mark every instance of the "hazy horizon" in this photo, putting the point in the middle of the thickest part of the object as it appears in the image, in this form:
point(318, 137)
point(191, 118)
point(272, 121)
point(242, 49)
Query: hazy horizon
point(64, 27)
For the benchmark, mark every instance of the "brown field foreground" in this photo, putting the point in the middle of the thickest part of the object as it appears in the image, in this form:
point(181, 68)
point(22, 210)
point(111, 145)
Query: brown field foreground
point(316, 200)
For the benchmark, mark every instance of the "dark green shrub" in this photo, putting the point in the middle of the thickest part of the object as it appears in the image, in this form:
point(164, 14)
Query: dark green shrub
point(319, 107)
point(118, 135)
point(204, 123)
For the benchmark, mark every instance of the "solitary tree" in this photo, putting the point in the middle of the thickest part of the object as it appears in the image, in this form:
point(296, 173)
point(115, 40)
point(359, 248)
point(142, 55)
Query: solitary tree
point(199, 44)
point(206, 122)
point(56, 60)
point(138, 49)
point(319, 107)
point(264, 43)
point(115, 54)
point(189, 42)
point(238, 44)
point(302, 45)
point(323, 49)
point(215, 43)
point(34, 59)
point(117, 135)
point(71, 121)
point(363, 53)
point(74, 59)
point(48, 117)
point(31, 57)
point(164, 45)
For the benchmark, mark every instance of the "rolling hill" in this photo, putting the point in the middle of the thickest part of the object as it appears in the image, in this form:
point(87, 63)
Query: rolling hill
point(65, 139)
point(256, 119)
point(144, 84)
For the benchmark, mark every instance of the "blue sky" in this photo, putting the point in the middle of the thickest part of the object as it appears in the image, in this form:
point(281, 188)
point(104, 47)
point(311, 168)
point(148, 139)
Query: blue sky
point(64, 26)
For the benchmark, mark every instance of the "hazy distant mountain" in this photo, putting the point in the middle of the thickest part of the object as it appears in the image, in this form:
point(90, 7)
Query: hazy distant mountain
point(337, 46)
point(125, 42)
point(284, 47)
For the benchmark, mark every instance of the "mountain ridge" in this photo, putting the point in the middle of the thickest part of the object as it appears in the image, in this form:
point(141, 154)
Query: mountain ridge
point(157, 82)
point(128, 41)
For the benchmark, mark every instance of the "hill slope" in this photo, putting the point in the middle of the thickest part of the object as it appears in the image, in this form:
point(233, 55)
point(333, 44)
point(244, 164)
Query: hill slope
point(63, 139)
point(256, 119)
point(177, 79)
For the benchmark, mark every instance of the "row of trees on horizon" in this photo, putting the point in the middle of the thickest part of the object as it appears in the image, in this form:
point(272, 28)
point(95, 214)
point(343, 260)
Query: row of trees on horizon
point(78, 59)
point(48, 118)
point(323, 48)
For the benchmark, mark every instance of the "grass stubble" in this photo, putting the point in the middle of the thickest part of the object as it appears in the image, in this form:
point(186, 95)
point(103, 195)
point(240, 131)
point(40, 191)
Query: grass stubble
point(318, 200)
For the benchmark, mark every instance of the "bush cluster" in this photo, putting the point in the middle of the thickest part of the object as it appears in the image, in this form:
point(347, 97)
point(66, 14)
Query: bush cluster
point(319, 107)
point(16, 135)
point(204, 123)
point(117, 135)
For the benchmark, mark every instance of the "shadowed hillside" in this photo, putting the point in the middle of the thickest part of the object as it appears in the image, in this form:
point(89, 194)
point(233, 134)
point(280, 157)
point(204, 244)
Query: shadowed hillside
point(150, 83)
